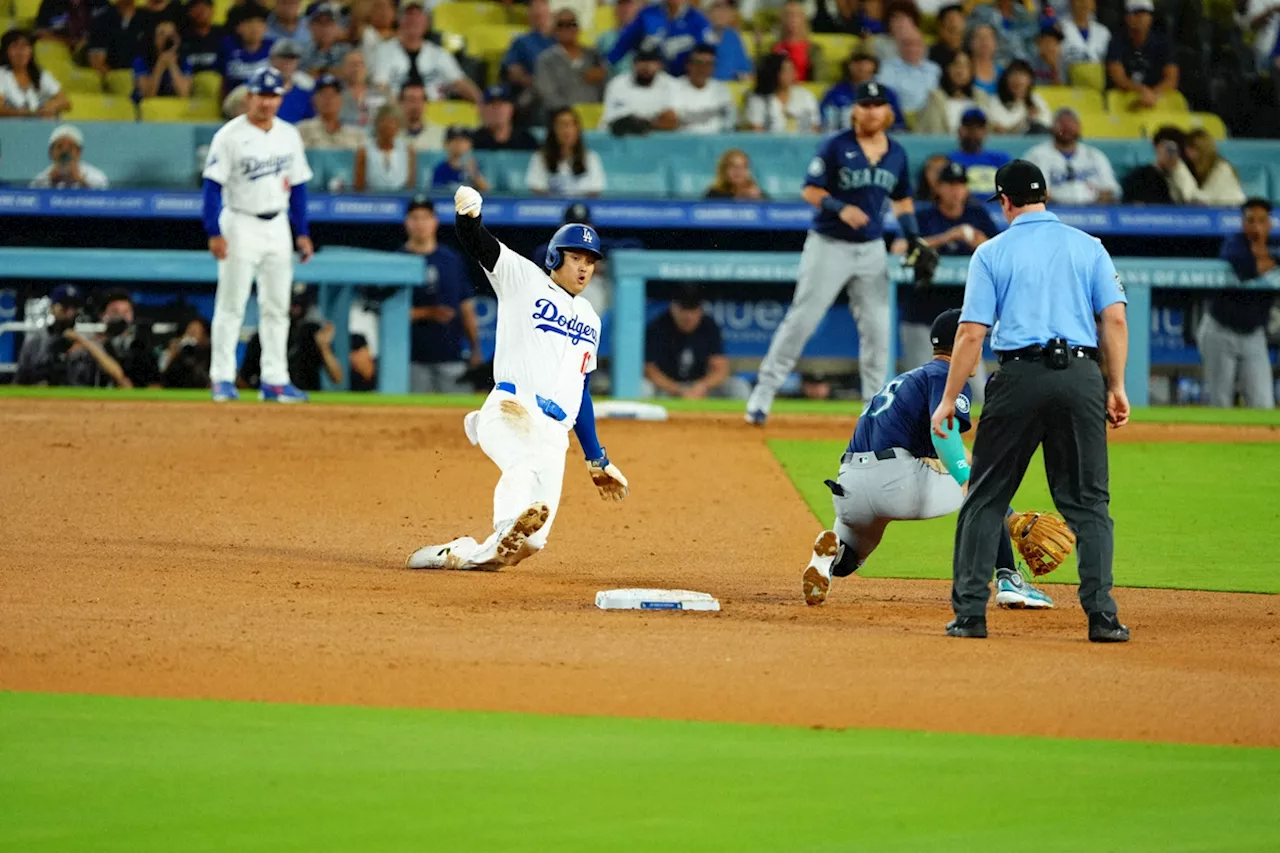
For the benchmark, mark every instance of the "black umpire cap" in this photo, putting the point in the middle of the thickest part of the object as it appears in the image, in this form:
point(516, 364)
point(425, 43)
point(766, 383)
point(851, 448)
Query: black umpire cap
point(870, 94)
point(1021, 182)
point(942, 334)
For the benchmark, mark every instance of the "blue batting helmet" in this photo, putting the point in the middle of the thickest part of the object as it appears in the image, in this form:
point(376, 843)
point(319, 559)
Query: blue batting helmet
point(574, 236)
point(266, 81)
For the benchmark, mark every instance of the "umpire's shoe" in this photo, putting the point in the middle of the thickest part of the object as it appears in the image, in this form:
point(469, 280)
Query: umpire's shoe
point(1106, 628)
point(974, 627)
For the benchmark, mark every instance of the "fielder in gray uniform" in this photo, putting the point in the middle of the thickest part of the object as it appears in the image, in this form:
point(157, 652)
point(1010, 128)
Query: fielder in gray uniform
point(892, 472)
point(848, 181)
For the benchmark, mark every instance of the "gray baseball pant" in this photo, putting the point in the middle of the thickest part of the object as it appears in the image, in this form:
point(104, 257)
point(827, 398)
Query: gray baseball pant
point(878, 491)
point(826, 266)
point(1227, 354)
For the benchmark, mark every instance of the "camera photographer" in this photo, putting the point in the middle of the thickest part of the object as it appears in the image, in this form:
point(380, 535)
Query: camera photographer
point(68, 171)
point(310, 347)
point(185, 361)
point(162, 70)
point(128, 344)
point(58, 354)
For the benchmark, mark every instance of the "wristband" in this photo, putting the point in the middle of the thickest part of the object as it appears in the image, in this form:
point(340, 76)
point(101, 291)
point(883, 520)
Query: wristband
point(910, 228)
point(832, 204)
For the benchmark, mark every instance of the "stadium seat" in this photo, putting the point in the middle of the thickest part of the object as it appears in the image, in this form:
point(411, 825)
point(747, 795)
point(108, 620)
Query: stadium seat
point(449, 113)
point(1255, 179)
point(589, 115)
point(1075, 97)
point(52, 54)
point(1153, 121)
point(836, 48)
point(25, 11)
point(330, 166)
point(518, 15)
point(738, 91)
point(206, 84)
point(427, 162)
point(781, 180)
point(1096, 125)
point(180, 109)
point(461, 17)
point(1088, 75)
point(88, 107)
point(629, 176)
point(690, 176)
point(490, 41)
point(504, 169)
point(76, 79)
point(1170, 102)
point(120, 82)
point(605, 20)
point(220, 9)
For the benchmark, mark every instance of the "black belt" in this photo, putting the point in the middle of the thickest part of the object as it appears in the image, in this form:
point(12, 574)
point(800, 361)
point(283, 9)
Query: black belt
point(883, 455)
point(265, 217)
point(1035, 352)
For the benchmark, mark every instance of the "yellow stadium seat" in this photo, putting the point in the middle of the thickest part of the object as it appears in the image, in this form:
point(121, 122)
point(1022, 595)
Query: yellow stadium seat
point(1170, 102)
point(817, 89)
point(220, 9)
point(206, 84)
point(120, 82)
point(1153, 120)
point(1088, 75)
point(606, 19)
point(52, 54)
point(180, 109)
point(836, 47)
point(25, 11)
point(518, 15)
point(1072, 96)
point(1099, 125)
point(738, 91)
point(492, 40)
point(461, 17)
point(75, 79)
point(86, 107)
point(589, 115)
point(448, 113)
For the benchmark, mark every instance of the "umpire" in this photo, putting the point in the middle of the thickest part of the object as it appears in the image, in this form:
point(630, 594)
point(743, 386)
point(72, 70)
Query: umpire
point(1058, 310)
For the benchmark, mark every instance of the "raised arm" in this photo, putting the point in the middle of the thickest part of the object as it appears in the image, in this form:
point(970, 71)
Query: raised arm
point(476, 240)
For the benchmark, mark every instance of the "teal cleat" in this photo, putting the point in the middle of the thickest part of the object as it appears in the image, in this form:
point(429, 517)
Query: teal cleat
point(1015, 592)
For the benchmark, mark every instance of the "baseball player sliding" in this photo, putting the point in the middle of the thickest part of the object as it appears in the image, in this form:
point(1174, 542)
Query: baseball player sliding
point(848, 181)
point(546, 348)
point(896, 470)
point(255, 187)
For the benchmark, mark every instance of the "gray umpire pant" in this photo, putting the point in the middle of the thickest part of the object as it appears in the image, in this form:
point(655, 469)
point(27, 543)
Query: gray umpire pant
point(1228, 355)
point(917, 349)
point(1028, 405)
point(827, 266)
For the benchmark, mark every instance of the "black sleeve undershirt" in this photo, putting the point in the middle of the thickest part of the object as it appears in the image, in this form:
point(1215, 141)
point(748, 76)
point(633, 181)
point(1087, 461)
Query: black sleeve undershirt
point(477, 241)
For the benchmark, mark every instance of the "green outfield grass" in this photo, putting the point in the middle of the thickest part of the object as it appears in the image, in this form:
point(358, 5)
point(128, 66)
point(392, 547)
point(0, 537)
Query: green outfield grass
point(1187, 515)
point(846, 409)
point(107, 774)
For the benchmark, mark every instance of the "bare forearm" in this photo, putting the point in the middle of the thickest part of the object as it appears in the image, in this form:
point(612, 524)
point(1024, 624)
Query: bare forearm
point(660, 380)
point(814, 195)
point(1169, 81)
point(1115, 349)
point(331, 365)
point(717, 372)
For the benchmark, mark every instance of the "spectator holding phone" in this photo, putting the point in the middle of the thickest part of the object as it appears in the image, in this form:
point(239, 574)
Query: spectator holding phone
point(161, 70)
point(460, 165)
point(68, 171)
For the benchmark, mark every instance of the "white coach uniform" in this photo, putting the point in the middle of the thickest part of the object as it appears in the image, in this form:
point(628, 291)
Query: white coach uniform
point(257, 170)
point(546, 345)
point(1078, 179)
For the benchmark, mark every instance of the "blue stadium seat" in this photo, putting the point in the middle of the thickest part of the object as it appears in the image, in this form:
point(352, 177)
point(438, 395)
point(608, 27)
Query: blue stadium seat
point(781, 179)
point(427, 162)
point(692, 174)
point(628, 176)
point(504, 169)
point(1255, 179)
point(326, 166)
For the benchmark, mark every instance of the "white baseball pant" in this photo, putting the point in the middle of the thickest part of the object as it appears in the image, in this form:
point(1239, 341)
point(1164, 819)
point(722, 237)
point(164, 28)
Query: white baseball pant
point(262, 250)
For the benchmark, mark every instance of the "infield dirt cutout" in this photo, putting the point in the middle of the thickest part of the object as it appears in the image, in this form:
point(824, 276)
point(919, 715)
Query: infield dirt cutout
point(255, 552)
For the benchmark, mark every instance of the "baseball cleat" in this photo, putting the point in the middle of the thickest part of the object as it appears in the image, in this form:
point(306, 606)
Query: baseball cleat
point(968, 627)
point(817, 577)
point(282, 394)
point(1013, 591)
point(452, 555)
point(756, 418)
point(1106, 628)
point(510, 546)
point(225, 392)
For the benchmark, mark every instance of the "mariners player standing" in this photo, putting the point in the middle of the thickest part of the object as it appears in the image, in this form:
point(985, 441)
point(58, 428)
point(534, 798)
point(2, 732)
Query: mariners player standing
point(848, 181)
point(895, 469)
point(546, 348)
point(255, 170)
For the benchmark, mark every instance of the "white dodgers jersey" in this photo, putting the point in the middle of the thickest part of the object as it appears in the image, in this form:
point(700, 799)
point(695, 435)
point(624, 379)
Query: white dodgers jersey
point(257, 168)
point(546, 339)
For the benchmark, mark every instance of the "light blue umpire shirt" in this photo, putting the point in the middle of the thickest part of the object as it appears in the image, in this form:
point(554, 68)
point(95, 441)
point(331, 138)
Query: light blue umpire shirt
point(1040, 279)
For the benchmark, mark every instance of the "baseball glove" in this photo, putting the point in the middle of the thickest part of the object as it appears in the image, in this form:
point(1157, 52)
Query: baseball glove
point(1043, 540)
point(923, 260)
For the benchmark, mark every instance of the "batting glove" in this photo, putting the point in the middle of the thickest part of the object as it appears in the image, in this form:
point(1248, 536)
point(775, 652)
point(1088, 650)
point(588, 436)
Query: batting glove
point(608, 479)
point(466, 201)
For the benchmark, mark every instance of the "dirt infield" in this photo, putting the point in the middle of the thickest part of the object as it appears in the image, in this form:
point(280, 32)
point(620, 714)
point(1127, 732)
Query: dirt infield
point(255, 553)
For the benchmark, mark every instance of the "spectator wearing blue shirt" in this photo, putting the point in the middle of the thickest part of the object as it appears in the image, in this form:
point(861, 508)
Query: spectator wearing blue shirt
point(1013, 26)
point(910, 74)
point(1232, 336)
point(296, 104)
point(983, 46)
point(980, 164)
point(624, 12)
point(732, 61)
point(162, 71)
point(521, 58)
point(955, 225)
point(286, 22)
point(443, 312)
point(248, 49)
point(673, 27)
point(459, 167)
point(837, 104)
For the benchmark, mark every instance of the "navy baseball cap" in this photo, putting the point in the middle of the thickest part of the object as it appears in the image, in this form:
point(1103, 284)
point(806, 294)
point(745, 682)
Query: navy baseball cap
point(953, 173)
point(266, 81)
point(456, 132)
point(67, 294)
point(649, 53)
point(870, 93)
point(497, 92)
point(973, 117)
point(328, 81)
point(1052, 28)
point(1022, 182)
point(420, 202)
point(942, 334)
point(577, 212)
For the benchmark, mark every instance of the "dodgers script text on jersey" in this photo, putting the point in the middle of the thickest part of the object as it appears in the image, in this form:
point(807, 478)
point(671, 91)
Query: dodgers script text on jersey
point(552, 320)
